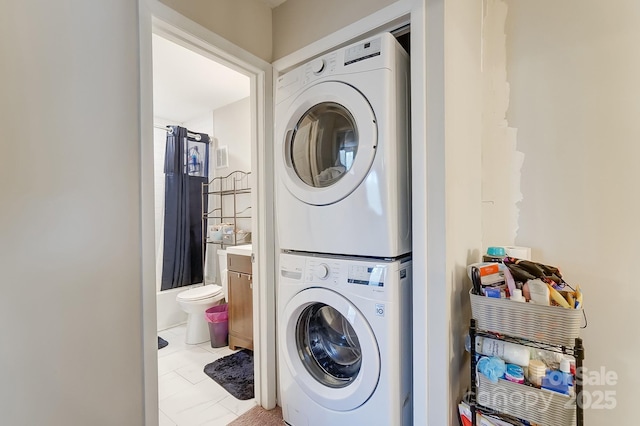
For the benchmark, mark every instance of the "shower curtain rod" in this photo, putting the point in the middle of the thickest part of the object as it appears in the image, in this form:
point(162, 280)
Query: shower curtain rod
point(189, 134)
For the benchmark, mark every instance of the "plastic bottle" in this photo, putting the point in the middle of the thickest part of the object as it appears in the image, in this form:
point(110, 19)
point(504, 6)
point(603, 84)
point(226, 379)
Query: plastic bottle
point(539, 292)
point(517, 296)
point(509, 352)
point(565, 368)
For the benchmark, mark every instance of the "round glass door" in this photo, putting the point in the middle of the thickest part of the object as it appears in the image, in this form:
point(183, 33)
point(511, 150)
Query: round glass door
point(328, 346)
point(328, 138)
point(324, 144)
point(330, 349)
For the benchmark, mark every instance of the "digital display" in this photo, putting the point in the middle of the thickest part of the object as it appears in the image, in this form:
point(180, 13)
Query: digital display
point(363, 51)
point(367, 275)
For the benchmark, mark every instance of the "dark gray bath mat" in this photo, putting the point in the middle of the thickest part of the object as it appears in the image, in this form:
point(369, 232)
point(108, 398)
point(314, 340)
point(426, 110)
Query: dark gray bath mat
point(234, 373)
point(162, 343)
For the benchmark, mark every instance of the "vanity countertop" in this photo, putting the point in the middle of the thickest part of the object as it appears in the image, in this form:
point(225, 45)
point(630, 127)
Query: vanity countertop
point(243, 250)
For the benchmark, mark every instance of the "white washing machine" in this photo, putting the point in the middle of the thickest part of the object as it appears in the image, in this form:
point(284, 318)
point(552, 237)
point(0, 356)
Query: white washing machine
point(344, 338)
point(342, 152)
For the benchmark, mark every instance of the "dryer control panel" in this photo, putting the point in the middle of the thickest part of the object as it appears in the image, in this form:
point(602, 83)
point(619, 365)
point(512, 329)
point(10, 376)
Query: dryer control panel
point(372, 54)
point(362, 51)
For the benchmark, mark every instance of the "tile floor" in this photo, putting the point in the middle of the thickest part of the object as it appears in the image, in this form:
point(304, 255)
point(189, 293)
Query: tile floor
point(187, 396)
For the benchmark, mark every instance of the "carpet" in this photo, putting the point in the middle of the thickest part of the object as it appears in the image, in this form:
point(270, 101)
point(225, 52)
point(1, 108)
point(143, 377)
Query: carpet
point(162, 343)
point(234, 373)
point(258, 416)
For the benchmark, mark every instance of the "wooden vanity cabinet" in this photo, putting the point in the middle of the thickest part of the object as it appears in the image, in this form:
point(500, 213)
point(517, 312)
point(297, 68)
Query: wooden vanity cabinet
point(240, 301)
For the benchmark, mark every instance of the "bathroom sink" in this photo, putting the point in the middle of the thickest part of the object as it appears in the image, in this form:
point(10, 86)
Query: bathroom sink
point(243, 250)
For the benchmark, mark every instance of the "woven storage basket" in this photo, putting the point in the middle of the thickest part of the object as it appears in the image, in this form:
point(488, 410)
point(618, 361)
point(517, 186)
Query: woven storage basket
point(528, 403)
point(547, 324)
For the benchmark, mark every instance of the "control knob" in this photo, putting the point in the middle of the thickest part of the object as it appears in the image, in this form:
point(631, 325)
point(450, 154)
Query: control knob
point(323, 271)
point(317, 66)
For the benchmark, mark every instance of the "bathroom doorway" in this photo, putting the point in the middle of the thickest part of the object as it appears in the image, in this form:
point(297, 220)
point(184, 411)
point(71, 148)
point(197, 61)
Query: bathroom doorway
point(205, 97)
point(165, 26)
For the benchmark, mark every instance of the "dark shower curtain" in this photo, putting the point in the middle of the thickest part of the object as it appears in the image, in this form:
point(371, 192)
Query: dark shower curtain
point(186, 169)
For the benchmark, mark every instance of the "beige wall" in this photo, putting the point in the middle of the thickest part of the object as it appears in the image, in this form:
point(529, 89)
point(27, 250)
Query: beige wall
point(297, 23)
point(246, 23)
point(70, 218)
point(463, 104)
point(573, 67)
point(232, 127)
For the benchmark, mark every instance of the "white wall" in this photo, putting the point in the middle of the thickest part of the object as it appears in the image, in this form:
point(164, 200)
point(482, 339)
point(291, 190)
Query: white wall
point(297, 23)
point(70, 218)
point(573, 71)
point(232, 128)
point(501, 160)
point(246, 23)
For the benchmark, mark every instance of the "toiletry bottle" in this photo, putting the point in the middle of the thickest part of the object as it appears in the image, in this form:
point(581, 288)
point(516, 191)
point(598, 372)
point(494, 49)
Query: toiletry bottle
point(565, 368)
point(509, 352)
point(539, 292)
point(517, 296)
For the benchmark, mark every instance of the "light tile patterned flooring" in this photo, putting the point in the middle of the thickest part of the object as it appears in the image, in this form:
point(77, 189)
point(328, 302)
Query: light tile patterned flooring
point(187, 396)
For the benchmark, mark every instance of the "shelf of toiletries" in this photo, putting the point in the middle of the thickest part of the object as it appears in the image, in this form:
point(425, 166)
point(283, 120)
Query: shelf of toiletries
point(553, 325)
point(525, 299)
point(227, 222)
point(527, 381)
point(524, 340)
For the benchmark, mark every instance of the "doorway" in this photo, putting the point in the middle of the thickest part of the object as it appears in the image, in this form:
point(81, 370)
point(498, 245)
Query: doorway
point(205, 97)
point(172, 27)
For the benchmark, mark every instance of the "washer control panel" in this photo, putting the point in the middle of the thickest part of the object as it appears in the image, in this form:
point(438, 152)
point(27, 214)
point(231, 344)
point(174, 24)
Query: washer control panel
point(367, 275)
point(322, 270)
point(336, 271)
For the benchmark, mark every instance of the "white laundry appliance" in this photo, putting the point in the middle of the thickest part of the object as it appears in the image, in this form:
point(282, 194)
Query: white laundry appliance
point(342, 152)
point(344, 339)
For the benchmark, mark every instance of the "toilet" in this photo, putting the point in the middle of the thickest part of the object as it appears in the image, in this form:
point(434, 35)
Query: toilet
point(197, 300)
point(194, 302)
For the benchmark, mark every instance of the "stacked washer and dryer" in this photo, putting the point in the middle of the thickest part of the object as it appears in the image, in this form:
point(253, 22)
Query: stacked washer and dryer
point(344, 227)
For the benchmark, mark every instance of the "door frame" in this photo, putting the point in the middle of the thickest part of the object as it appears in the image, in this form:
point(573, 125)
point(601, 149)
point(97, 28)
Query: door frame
point(155, 17)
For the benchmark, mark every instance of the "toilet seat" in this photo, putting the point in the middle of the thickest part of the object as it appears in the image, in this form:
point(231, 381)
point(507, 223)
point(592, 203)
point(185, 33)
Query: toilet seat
point(200, 293)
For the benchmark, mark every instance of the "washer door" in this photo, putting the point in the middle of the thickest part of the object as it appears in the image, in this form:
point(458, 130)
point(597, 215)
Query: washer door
point(330, 349)
point(329, 143)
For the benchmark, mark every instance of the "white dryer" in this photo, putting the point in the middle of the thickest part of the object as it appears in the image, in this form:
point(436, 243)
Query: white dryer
point(342, 152)
point(344, 340)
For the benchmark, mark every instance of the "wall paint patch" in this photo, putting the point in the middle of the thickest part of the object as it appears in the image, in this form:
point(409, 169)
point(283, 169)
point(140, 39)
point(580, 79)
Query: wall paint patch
point(501, 162)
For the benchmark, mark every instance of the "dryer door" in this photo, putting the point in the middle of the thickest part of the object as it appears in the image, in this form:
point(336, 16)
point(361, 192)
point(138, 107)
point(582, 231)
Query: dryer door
point(329, 138)
point(331, 350)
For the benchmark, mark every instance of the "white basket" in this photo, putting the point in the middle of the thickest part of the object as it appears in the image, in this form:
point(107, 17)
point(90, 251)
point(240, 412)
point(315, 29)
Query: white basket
point(547, 324)
point(526, 402)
